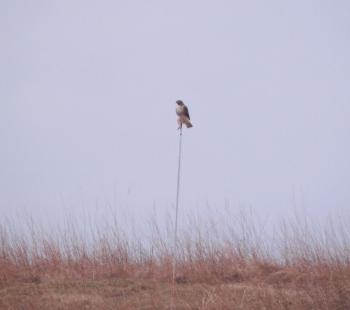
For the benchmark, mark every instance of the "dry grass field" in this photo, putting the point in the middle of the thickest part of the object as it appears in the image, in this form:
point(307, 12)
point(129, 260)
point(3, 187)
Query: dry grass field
point(233, 268)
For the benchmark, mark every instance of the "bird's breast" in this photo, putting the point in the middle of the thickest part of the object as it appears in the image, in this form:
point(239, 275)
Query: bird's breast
point(179, 110)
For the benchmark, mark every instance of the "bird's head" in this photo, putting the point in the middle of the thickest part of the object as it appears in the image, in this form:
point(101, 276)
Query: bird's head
point(179, 102)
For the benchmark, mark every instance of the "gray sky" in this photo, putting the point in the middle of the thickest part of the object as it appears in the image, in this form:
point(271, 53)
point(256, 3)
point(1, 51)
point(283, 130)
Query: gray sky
point(87, 99)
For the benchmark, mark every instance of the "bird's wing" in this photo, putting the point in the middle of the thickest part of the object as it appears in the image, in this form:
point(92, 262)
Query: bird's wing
point(185, 112)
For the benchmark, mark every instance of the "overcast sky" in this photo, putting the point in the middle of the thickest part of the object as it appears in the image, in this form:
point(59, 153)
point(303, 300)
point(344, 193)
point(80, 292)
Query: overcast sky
point(87, 105)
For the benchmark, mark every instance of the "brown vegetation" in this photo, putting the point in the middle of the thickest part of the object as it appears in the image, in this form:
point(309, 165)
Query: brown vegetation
point(226, 268)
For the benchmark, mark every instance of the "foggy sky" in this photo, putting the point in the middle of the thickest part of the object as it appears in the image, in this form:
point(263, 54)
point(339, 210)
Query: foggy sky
point(87, 105)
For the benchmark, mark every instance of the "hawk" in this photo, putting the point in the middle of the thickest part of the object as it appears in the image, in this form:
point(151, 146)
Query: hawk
point(184, 116)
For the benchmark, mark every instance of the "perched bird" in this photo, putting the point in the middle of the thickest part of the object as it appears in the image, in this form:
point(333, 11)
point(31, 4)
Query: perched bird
point(184, 116)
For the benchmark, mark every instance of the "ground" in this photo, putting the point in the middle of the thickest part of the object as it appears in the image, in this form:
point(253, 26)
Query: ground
point(149, 294)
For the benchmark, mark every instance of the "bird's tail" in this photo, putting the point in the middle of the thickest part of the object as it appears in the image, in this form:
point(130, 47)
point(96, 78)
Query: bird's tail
point(188, 124)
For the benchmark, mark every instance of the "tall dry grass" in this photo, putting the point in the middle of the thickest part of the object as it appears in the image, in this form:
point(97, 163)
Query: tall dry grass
point(223, 264)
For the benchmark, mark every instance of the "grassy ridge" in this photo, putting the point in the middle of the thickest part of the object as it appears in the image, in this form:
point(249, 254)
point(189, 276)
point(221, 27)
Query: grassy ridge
point(231, 267)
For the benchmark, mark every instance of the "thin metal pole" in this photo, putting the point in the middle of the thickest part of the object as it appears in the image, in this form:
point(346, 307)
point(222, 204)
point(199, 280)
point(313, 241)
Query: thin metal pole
point(176, 218)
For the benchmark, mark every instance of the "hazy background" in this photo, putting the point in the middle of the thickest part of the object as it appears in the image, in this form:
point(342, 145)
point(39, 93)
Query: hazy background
point(87, 99)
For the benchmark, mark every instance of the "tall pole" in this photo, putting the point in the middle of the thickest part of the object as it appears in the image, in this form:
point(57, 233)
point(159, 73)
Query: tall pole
point(176, 218)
